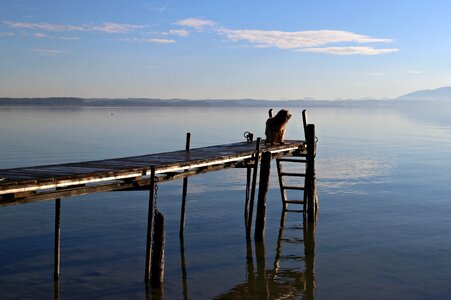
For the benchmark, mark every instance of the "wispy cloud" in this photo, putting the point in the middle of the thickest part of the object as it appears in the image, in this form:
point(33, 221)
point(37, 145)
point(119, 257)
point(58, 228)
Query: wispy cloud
point(178, 32)
point(196, 23)
point(6, 34)
point(53, 37)
point(160, 41)
point(146, 40)
point(106, 27)
point(352, 50)
point(318, 41)
point(296, 39)
point(42, 26)
point(40, 35)
point(114, 27)
point(69, 38)
point(49, 52)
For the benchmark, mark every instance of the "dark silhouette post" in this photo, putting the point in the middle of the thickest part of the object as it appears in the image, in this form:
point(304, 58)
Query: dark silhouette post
point(260, 219)
point(57, 246)
point(184, 191)
point(254, 183)
point(150, 224)
point(157, 266)
point(311, 177)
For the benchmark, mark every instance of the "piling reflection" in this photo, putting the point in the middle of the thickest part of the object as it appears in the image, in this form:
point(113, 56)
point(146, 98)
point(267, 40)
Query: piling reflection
point(292, 274)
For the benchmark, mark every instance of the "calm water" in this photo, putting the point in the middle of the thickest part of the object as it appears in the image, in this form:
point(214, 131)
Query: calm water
point(383, 229)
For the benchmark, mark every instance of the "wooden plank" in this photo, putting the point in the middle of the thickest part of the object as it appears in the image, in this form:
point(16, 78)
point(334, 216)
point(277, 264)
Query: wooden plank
point(66, 175)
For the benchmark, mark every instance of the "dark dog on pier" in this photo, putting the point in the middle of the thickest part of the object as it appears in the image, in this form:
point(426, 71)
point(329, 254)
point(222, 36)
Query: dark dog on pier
point(276, 126)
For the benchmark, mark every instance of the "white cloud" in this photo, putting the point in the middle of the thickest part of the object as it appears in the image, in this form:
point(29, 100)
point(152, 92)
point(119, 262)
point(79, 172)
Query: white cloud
point(196, 23)
point(296, 39)
point(43, 26)
point(304, 41)
point(6, 34)
point(40, 35)
point(69, 38)
point(113, 27)
point(152, 40)
point(178, 32)
point(64, 38)
point(160, 41)
point(49, 52)
point(103, 27)
point(352, 50)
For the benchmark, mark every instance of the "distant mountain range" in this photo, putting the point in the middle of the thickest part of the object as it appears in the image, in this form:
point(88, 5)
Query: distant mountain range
point(441, 94)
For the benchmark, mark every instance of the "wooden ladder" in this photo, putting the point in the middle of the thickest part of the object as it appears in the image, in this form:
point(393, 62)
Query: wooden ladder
point(283, 187)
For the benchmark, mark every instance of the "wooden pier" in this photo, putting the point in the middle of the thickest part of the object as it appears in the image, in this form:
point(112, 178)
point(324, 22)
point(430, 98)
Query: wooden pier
point(55, 182)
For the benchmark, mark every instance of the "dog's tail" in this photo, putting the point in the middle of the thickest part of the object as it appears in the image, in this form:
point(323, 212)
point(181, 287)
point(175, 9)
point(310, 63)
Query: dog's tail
point(270, 113)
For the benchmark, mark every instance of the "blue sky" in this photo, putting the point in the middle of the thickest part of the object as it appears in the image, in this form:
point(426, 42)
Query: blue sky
point(282, 49)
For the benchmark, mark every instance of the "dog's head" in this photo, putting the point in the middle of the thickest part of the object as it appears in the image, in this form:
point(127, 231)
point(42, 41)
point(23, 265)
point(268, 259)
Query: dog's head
point(283, 115)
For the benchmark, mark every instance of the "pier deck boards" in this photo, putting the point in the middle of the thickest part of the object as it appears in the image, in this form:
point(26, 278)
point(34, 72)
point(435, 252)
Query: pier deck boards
point(28, 184)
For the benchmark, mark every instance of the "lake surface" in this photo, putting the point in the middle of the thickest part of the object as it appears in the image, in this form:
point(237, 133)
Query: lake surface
point(383, 228)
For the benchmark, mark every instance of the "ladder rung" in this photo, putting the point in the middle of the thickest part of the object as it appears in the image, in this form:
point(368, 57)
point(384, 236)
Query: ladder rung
point(292, 160)
point(294, 210)
point(295, 201)
point(292, 174)
point(301, 188)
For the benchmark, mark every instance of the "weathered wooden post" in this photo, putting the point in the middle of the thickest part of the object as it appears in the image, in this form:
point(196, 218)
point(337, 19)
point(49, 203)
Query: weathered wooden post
point(157, 266)
point(250, 138)
point(184, 191)
point(57, 246)
point(304, 122)
point(254, 183)
point(150, 224)
point(311, 177)
point(263, 185)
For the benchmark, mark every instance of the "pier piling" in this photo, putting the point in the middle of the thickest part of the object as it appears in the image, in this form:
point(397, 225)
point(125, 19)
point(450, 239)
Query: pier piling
point(150, 215)
point(57, 246)
point(184, 191)
point(311, 177)
point(254, 183)
point(157, 266)
point(260, 220)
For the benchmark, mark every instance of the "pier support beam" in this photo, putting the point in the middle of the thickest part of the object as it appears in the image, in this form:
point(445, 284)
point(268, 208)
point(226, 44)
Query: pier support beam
point(263, 185)
point(311, 176)
point(250, 138)
point(254, 183)
point(157, 267)
point(184, 192)
point(150, 224)
point(57, 245)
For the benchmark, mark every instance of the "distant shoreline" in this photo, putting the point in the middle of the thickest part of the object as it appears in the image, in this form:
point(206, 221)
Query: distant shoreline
point(135, 102)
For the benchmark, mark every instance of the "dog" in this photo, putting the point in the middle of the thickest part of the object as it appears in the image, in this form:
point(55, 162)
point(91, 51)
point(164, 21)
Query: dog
point(276, 126)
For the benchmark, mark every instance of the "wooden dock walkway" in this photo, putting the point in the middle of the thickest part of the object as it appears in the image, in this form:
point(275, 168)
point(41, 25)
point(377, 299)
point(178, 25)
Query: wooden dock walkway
point(29, 184)
point(47, 182)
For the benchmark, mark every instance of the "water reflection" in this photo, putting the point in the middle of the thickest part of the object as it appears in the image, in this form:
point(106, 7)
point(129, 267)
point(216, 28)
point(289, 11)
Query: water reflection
point(292, 273)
